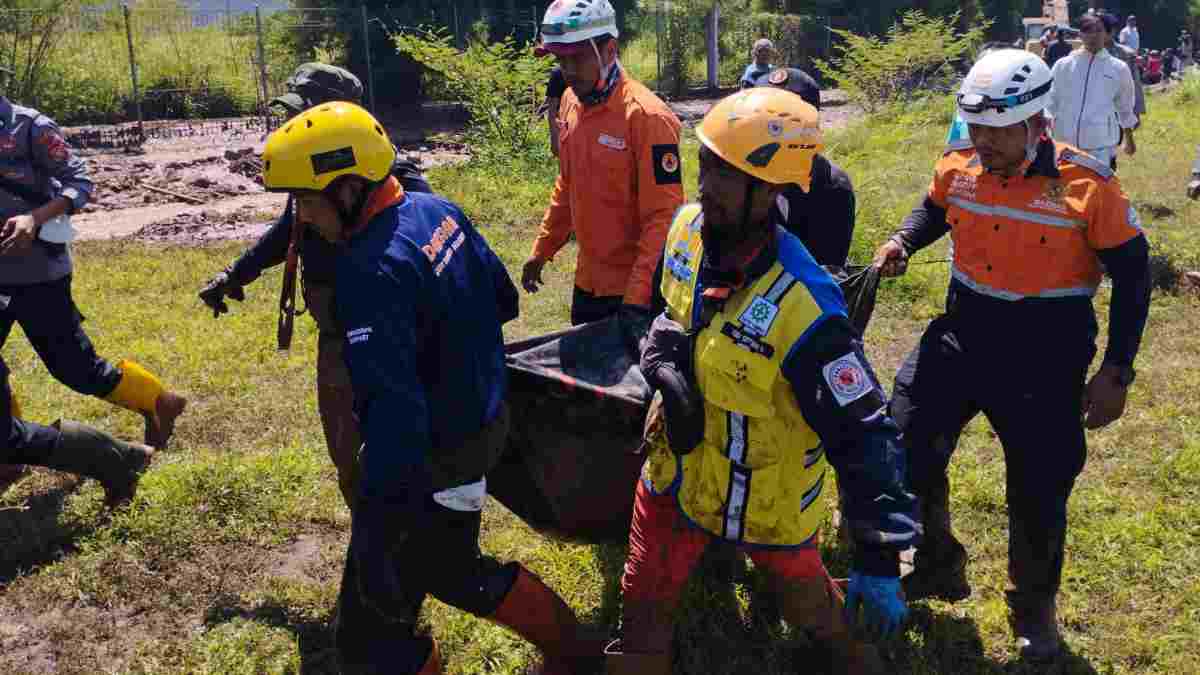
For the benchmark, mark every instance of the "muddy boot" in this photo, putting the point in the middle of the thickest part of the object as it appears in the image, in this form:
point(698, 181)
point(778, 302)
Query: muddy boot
point(619, 662)
point(92, 453)
point(537, 614)
point(142, 392)
point(940, 564)
point(816, 606)
point(1035, 624)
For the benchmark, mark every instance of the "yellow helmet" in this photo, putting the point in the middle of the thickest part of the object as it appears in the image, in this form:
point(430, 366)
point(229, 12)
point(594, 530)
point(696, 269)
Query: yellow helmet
point(769, 133)
point(324, 143)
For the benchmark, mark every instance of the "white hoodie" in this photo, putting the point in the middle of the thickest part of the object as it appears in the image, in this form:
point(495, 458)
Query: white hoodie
point(1091, 100)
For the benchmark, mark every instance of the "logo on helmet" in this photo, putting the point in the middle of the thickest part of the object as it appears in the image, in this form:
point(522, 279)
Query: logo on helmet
point(775, 128)
point(778, 77)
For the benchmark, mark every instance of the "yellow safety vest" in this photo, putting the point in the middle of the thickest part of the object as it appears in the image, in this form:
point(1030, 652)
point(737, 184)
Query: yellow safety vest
point(757, 476)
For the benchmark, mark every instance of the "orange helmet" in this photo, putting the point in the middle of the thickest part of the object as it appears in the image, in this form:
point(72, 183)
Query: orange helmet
point(771, 134)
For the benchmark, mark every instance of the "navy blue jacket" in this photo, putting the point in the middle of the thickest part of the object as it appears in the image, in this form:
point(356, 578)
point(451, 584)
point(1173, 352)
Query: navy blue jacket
point(422, 298)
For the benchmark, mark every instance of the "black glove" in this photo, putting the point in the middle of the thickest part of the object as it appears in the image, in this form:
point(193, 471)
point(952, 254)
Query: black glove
point(214, 292)
point(667, 366)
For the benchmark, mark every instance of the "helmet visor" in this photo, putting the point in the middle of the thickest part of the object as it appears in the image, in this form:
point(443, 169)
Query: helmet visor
point(978, 103)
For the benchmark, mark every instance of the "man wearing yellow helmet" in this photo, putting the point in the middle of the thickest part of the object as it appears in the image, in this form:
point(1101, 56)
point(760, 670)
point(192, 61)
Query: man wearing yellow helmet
point(422, 298)
point(763, 385)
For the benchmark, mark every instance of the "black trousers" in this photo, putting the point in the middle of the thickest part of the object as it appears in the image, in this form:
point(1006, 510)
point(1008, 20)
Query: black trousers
point(1032, 398)
point(50, 320)
point(587, 307)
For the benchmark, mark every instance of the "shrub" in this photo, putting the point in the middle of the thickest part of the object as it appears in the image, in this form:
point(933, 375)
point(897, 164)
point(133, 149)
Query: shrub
point(501, 84)
point(918, 54)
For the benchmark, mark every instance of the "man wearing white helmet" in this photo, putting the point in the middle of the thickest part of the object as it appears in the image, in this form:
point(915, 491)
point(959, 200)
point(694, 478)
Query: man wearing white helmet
point(1032, 222)
point(619, 178)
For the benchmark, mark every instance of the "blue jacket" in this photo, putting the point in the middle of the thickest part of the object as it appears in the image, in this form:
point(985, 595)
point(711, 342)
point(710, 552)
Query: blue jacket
point(36, 165)
point(422, 298)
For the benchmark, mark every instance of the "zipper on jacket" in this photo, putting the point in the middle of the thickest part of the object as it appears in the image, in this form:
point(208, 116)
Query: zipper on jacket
point(1083, 105)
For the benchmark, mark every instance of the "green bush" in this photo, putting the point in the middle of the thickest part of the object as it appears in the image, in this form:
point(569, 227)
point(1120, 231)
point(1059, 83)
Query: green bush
point(918, 54)
point(501, 84)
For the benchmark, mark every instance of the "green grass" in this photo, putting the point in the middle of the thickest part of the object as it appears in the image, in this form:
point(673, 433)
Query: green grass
point(229, 559)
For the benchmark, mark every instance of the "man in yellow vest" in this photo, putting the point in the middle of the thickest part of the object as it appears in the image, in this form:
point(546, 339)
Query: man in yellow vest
point(763, 385)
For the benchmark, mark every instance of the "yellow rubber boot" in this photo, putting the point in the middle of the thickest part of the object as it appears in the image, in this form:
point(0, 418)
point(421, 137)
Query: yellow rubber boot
point(142, 392)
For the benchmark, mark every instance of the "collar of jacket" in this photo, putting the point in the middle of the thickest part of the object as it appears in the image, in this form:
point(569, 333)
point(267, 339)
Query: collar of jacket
point(1045, 161)
point(388, 194)
point(744, 267)
point(603, 94)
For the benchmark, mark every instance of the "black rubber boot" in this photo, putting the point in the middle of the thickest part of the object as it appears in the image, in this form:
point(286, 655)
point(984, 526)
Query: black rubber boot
point(1034, 622)
point(940, 564)
point(90, 452)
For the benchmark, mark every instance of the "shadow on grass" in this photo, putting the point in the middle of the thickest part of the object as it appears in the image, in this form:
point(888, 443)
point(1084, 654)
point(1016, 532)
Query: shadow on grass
point(33, 535)
point(315, 636)
point(951, 644)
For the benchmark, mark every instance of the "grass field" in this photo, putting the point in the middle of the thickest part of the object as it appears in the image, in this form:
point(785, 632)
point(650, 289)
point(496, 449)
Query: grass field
point(229, 559)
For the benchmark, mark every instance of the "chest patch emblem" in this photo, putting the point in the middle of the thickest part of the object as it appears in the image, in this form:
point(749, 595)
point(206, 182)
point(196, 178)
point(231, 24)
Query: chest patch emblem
point(847, 379)
point(612, 142)
point(758, 317)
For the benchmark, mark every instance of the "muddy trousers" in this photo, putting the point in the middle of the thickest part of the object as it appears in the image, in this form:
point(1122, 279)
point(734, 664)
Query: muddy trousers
point(664, 549)
point(1032, 400)
point(375, 632)
point(335, 395)
point(25, 442)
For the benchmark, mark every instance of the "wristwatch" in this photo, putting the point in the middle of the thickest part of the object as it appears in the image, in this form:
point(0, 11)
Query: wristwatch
point(1125, 375)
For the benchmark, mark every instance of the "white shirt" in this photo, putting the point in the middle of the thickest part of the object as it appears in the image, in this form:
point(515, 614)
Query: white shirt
point(1091, 99)
point(1130, 37)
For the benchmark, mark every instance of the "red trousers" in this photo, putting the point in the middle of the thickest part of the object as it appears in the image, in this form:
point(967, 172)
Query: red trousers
point(664, 548)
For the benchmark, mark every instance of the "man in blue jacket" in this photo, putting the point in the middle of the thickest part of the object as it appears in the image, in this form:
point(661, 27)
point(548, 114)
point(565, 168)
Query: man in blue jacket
point(422, 299)
point(313, 84)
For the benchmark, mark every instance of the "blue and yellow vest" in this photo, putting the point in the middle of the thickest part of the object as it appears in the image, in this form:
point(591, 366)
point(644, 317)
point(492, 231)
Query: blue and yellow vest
point(757, 476)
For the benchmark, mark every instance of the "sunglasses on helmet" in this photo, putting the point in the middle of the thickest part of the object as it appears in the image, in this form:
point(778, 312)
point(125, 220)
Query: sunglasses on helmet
point(977, 103)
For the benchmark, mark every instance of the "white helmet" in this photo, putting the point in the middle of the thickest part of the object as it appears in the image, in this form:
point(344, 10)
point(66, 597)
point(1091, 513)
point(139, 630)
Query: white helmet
point(1005, 87)
point(571, 25)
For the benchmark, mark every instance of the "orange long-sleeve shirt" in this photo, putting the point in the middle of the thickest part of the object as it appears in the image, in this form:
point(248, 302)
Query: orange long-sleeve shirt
point(619, 184)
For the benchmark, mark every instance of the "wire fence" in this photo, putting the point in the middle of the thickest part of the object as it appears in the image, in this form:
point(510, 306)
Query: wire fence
point(116, 75)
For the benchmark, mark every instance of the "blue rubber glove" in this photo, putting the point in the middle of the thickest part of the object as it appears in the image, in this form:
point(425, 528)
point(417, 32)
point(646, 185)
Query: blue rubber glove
point(875, 605)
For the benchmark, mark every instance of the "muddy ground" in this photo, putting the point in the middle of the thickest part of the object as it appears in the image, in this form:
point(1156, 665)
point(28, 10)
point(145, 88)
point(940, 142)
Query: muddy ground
point(199, 182)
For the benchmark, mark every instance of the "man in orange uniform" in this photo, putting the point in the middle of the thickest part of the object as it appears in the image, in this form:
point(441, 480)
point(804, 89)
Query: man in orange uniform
point(1032, 222)
point(619, 180)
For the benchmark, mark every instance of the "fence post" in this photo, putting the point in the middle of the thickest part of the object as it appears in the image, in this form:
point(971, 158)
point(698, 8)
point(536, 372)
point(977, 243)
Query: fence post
point(137, 94)
point(658, 30)
point(366, 28)
point(262, 67)
point(714, 55)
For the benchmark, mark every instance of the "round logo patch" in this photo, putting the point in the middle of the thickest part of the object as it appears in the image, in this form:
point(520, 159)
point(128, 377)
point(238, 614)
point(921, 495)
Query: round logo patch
point(775, 128)
point(847, 379)
point(778, 77)
point(670, 162)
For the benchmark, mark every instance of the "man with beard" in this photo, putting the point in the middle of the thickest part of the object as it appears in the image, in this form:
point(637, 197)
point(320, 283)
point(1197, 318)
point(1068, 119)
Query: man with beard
point(619, 178)
point(763, 385)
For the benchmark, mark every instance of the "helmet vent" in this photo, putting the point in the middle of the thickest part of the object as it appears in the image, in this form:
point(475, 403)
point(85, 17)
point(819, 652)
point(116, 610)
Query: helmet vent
point(308, 124)
point(378, 130)
point(762, 157)
point(1017, 77)
point(1027, 69)
point(288, 129)
point(1012, 90)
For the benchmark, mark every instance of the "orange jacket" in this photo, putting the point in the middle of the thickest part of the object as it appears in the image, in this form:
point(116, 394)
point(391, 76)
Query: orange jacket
point(619, 184)
point(1033, 235)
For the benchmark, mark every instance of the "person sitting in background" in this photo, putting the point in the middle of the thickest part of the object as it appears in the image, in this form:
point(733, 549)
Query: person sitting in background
point(823, 216)
point(761, 53)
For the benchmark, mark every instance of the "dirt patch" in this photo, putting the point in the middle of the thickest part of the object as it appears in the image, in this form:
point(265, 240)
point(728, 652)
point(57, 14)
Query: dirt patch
point(836, 110)
point(196, 228)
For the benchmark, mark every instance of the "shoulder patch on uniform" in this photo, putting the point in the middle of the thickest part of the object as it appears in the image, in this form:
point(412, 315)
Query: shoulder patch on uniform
point(666, 164)
point(847, 379)
point(778, 77)
point(1086, 161)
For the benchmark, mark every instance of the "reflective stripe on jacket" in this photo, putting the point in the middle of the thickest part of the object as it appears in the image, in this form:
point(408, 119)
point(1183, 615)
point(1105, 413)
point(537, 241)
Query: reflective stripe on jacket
point(758, 474)
point(619, 183)
point(1032, 235)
